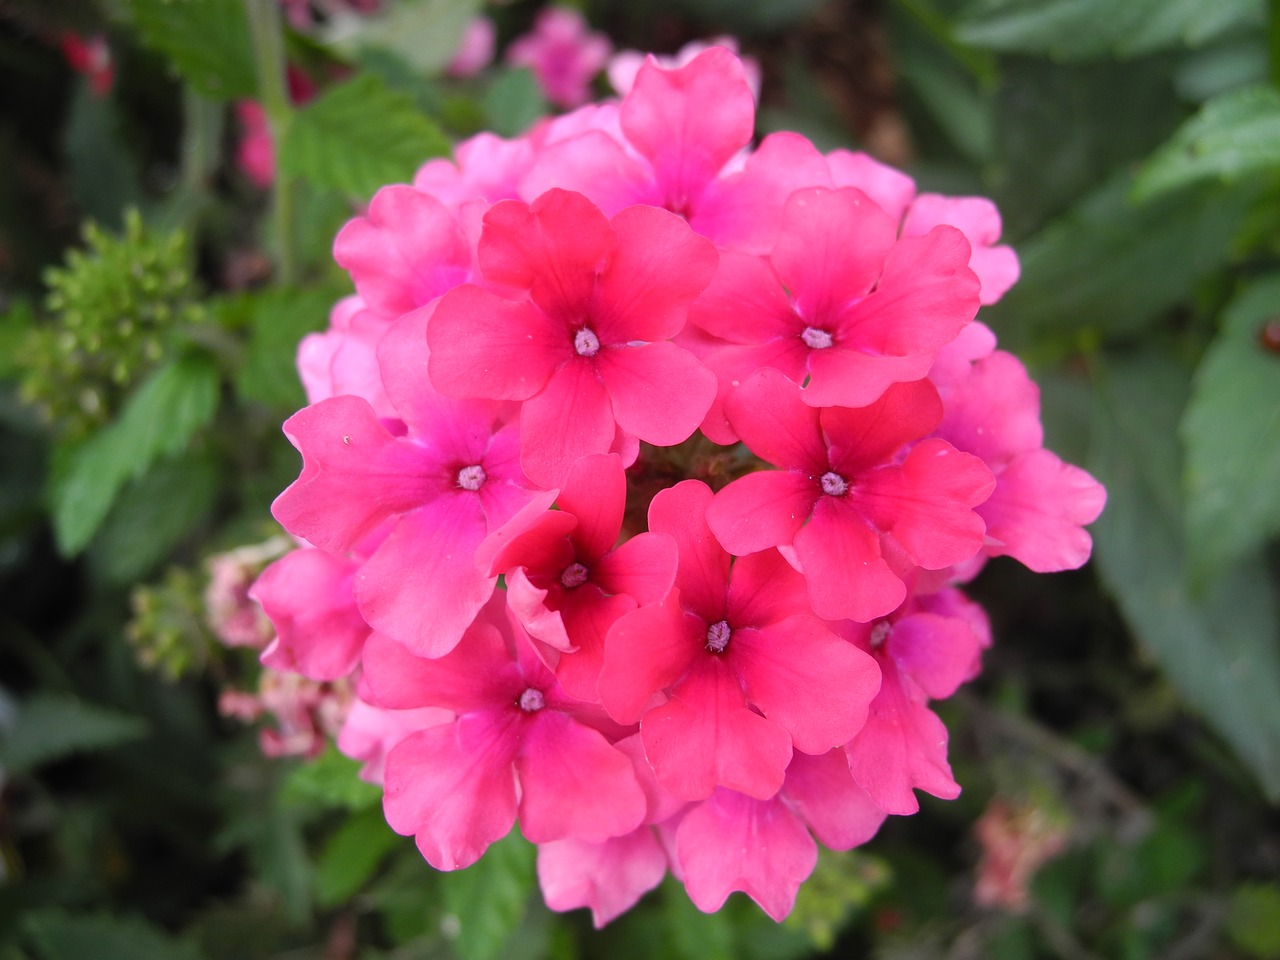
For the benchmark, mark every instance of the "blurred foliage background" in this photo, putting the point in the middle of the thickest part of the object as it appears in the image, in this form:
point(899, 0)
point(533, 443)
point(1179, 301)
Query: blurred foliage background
point(1121, 752)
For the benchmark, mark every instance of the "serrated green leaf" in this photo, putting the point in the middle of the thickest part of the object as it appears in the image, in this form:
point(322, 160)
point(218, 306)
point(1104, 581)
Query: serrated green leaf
point(330, 780)
point(58, 935)
point(352, 855)
point(1111, 268)
point(278, 320)
point(1077, 29)
point(53, 726)
point(1232, 434)
point(359, 136)
point(423, 33)
point(489, 898)
point(157, 420)
point(1233, 135)
point(1220, 650)
point(207, 41)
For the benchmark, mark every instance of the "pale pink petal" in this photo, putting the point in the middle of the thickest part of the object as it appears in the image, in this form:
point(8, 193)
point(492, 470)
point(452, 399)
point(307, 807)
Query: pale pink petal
point(608, 877)
point(368, 733)
point(838, 811)
point(892, 189)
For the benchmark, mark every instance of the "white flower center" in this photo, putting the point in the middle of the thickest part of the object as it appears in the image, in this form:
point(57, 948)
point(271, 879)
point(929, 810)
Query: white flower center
point(532, 700)
point(586, 343)
point(815, 338)
point(834, 485)
point(718, 636)
point(472, 477)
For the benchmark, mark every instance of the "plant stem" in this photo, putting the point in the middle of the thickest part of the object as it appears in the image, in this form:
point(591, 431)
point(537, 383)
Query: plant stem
point(268, 52)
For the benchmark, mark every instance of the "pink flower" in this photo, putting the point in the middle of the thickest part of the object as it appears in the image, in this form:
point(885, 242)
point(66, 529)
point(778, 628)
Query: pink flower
point(92, 57)
point(859, 497)
point(566, 581)
point(624, 66)
point(451, 479)
point(746, 669)
point(368, 733)
point(455, 785)
point(475, 49)
point(256, 151)
point(563, 54)
point(587, 347)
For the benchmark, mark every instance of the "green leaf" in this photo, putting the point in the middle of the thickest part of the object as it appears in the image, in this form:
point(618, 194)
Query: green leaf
point(58, 935)
point(157, 420)
point(513, 102)
point(358, 136)
point(279, 319)
point(1233, 135)
point(152, 514)
point(1077, 29)
point(330, 780)
point(1253, 920)
point(423, 33)
point(489, 898)
point(1232, 434)
point(207, 41)
point(1109, 268)
point(352, 855)
point(104, 172)
point(1220, 650)
point(52, 726)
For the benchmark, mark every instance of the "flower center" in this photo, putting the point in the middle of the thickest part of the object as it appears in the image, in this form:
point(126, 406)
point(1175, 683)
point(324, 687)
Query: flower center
point(815, 338)
point(574, 575)
point(880, 633)
point(718, 636)
point(532, 700)
point(834, 485)
point(585, 342)
point(472, 477)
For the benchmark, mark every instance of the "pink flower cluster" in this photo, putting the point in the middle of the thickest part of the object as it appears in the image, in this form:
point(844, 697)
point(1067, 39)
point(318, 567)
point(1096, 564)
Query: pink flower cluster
point(638, 478)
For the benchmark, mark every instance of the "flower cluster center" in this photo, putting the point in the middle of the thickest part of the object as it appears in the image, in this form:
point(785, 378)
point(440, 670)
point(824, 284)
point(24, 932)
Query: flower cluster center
point(585, 342)
point(815, 338)
point(532, 700)
point(574, 575)
point(472, 477)
point(880, 633)
point(834, 485)
point(718, 636)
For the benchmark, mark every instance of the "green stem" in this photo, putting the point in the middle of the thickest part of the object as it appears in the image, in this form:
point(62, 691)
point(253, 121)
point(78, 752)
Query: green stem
point(268, 51)
point(1273, 41)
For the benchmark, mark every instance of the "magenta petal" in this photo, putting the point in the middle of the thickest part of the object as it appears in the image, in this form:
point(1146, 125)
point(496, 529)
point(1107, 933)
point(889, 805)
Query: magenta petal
point(596, 493)
point(831, 249)
point(588, 616)
point(574, 784)
point(474, 676)
point(872, 435)
point(761, 510)
point(608, 877)
point(927, 503)
point(645, 651)
point(1037, 511)
point(422, 586)
point(689, 122)
point(309, 597)
point(656, 270)
point(643, 567)
point(731, 842)
point(594, 164)
point(745, 303)
point(889, 187)
point(706, 736)
point(552, 248)
point(764, 588)
point(528, 604)
point(838, 811)
point(775, 424)
point(842, 564)
point(807, 680)
point(936, 652)
point(703, 571)
point(569, 419)
point(903, 745)
point(660, 392)
point(485, 346)
point(453, 787)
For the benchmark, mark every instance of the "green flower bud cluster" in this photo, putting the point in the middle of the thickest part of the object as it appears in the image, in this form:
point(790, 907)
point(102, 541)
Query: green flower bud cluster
point(167, 630)
point(118, 308)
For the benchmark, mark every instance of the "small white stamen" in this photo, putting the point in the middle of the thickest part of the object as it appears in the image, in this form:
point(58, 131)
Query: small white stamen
point(834, 485)
point(574, 575)
point(586, 343)
point(472, 477)
point(532, 700)
point(815, 338)
point(718, 636)
point(880, 633)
